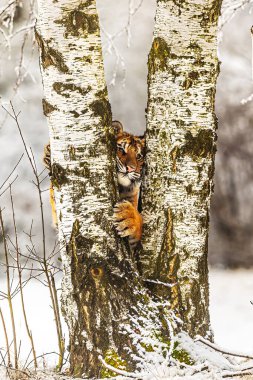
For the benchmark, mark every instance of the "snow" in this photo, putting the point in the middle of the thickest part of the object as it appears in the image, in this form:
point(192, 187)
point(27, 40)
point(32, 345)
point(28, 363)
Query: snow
point(231, 293)
point(230, 307)
point(40, 319)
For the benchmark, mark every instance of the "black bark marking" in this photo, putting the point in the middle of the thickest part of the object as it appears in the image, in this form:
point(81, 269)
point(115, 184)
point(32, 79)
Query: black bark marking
point(102, 109)
point(50, 56)
point(59, 175)
point(190, 79)
point(65, 89)
point(47, 107)
point(200, 146)
point(79, 23)
point(211, 14)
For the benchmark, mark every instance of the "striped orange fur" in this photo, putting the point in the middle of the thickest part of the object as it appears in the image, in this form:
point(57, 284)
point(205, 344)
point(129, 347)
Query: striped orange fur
point(130, 160)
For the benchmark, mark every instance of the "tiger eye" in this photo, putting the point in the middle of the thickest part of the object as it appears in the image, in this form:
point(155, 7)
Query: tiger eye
point(120, 149)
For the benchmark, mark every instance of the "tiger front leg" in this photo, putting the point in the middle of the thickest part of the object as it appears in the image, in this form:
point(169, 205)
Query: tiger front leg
point(128, 221)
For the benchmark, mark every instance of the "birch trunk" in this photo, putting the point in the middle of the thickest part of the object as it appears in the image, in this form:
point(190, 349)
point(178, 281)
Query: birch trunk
point(180, 139)
point(99, 282)
point(101, 288)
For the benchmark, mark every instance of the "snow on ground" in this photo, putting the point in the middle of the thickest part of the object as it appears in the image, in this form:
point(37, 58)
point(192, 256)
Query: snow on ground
point(231, 293)
point(40, 319)
point(231, 314)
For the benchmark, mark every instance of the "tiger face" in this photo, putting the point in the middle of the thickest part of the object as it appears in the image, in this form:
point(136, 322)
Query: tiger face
point(130, 156)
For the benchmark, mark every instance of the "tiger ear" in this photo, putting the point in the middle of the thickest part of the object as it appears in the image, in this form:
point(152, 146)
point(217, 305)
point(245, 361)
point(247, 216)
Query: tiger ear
point(118, 127)
point(142, 138)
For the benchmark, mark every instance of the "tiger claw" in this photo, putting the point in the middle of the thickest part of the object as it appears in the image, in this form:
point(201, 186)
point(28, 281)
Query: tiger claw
point(127, 220)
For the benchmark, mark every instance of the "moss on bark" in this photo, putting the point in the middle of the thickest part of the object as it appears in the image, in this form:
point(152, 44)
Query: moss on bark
point(159, 56)
point(50, 56)
point(181, 144)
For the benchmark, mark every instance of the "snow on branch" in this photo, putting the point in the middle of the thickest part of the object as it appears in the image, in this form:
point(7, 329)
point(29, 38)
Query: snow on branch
point(178, 356)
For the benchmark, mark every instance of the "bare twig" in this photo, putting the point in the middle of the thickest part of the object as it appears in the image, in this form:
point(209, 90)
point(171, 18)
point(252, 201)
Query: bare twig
point(15, 167)
point(29, 333)
point(42, 356)
point(61, 341)
point(4, 191)
point(236, 374)
point(6, 339)
point(216, 348)
point(110, 46)
point(8, 281)
point(43, 261)
point(229, 9)
point(7, 7)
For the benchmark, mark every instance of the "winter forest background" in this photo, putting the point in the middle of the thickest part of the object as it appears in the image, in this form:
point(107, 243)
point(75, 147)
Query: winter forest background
point(126, 42)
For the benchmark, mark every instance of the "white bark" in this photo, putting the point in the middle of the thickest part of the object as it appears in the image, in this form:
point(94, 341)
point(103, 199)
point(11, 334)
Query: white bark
point(96, 282)
point(72, 91)
point(101, 286)
point(180, 140)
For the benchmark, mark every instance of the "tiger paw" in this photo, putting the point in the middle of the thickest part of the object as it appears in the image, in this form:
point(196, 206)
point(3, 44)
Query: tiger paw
point(128, 221)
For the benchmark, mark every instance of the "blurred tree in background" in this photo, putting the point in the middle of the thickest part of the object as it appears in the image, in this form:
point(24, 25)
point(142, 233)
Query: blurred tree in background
point(231, 240)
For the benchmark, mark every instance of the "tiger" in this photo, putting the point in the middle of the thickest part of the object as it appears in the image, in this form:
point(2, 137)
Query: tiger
point(129, 164)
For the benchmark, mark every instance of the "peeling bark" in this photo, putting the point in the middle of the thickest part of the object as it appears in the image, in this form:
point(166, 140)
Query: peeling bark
point(180, 139)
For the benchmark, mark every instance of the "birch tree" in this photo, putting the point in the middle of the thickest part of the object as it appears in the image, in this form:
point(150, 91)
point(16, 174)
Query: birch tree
point(103, 292)
point(180, 140)
point(101, 284)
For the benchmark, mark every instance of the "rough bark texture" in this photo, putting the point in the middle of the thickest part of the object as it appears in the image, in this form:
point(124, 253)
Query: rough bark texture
point(180, 138)
point(98, 284)
point(101, 287)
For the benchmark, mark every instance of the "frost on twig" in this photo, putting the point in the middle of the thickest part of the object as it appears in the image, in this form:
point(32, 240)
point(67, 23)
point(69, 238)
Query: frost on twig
point(229, 9)
point(17, 20)
point(12, 29)
point(110, 41)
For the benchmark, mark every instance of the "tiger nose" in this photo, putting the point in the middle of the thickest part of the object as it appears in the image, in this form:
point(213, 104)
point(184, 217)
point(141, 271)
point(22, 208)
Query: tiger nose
point(130, 169)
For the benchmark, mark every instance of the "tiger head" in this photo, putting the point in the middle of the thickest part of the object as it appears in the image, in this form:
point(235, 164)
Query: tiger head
point(130, 156)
